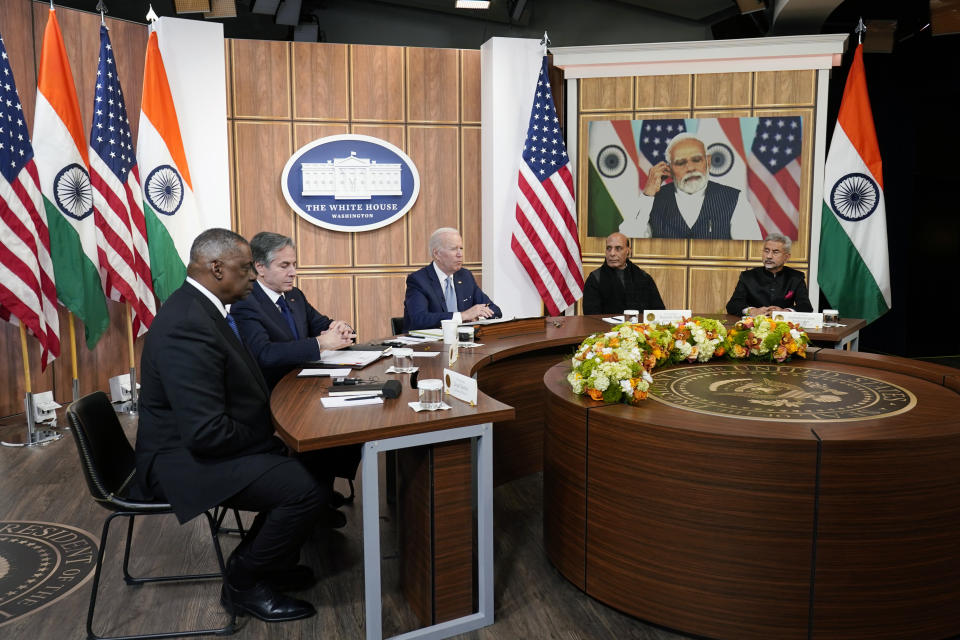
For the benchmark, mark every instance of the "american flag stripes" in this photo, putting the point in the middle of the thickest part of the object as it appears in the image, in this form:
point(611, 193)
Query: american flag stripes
point(27, 291)
point(545, 238)
point(121, 228)
point(773, 174)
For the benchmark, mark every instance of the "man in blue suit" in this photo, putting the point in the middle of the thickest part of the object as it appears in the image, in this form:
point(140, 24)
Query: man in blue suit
point(443, 290)
point(283, 331)
point(279, 327)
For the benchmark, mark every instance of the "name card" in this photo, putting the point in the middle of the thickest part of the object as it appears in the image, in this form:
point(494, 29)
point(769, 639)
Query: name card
point(453, 352)
point(460, 386)
point(665, 316)
point(804, 319)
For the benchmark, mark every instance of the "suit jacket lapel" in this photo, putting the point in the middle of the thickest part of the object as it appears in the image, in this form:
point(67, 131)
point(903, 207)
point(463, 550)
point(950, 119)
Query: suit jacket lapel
point(224, 328)
point(270, 311)
point(436, 287)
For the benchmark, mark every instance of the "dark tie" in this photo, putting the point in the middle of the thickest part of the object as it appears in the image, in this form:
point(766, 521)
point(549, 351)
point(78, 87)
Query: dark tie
point(288, 315)
point(233, 326)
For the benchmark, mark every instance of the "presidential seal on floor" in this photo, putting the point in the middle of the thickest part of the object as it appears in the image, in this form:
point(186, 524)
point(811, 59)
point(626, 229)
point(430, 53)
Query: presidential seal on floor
point(39, 563)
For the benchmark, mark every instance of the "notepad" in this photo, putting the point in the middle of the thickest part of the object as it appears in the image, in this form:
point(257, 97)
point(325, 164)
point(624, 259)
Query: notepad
point(310, 373)
point(349, 358)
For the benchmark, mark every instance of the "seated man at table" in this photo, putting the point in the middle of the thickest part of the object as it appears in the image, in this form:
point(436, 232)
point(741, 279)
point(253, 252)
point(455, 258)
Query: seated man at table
point(443, 290)
point(619, 284)
point(205, 436)
point(772, 287)
point(279, 327)
point(283, 331)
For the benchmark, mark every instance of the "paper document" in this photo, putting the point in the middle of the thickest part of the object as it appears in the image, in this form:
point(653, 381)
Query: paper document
point(349, 358)
point(413, 339)
point(425, 354)
point(309, 373)
point(331, 402)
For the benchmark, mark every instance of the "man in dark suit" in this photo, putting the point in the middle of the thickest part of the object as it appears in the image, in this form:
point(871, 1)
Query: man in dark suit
point(283, 331)
point(279, 327)
point(619, 284)
point(772, 287)
point(206, 438)
point(692, 206)
point(443, 290)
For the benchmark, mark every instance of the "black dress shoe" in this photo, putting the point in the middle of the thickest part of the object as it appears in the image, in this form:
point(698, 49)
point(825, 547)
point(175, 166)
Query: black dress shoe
point(331, 519)
point(261, 602)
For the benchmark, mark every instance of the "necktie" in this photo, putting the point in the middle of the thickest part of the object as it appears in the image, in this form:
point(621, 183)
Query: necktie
point(233, 326)
point(288, 316)
point(450, 296)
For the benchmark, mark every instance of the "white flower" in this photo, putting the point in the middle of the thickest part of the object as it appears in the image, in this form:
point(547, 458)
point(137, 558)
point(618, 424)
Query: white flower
point(646, 377)
point(795, 334)
point(601, 382)
point(625, 386)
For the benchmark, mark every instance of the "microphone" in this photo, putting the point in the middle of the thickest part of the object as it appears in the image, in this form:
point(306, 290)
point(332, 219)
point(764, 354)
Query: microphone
point(391, 389)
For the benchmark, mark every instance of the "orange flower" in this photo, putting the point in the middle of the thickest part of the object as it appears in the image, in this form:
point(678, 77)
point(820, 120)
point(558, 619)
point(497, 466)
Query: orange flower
point(719, 351)
point(596, 394)
point(614, 342)
point(610, 357)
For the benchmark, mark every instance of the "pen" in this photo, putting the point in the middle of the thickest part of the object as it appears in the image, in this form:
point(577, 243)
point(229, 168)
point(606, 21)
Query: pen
point(359, 398)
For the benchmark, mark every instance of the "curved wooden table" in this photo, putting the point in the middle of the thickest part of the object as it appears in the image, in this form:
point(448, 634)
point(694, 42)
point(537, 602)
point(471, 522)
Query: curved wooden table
point(732, 528)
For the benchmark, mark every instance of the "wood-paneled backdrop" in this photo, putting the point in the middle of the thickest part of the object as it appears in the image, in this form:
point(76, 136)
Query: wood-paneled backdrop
point(281, 96)
point(698, 274)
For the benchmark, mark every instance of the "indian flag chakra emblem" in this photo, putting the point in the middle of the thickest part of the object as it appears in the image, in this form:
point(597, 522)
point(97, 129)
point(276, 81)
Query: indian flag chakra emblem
point(164, 189)
point(71, 189)
point(854, 197)
point(780, 393)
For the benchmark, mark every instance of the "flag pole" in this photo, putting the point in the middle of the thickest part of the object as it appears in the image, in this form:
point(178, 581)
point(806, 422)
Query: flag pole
point(75, 383)
point(133, 362)
point(35, 437)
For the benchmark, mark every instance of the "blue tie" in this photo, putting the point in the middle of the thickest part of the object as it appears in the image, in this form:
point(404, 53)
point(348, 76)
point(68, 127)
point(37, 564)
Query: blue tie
point(288, 316)
point(450, 296)
point(233, 326)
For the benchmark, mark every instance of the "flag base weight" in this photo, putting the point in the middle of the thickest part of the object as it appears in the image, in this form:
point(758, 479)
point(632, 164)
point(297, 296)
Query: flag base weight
point(36, 438)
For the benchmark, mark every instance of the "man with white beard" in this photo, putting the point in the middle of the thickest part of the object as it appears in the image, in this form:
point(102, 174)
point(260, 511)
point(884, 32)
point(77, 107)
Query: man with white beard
point(691, 206)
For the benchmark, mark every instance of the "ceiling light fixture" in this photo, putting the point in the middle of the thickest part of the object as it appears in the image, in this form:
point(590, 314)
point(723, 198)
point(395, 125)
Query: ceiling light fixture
point(473, 4)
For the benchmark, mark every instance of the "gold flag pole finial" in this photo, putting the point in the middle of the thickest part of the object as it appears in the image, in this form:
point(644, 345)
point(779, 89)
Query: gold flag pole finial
point(861, 29)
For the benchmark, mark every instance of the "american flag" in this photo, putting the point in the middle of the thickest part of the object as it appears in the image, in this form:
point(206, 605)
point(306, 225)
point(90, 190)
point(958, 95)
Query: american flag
point(28, 294)
point(654, 137)
point(121, 228)
point(773, 174)
point(545, 238)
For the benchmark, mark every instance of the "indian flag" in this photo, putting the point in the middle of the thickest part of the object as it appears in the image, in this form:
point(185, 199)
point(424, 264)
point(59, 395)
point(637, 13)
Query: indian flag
point(854, 268)
point(60, 150)
point(614, 176)
point(170, 208)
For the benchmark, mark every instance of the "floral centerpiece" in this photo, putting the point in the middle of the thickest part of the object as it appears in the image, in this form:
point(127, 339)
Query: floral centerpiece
point(616, 366)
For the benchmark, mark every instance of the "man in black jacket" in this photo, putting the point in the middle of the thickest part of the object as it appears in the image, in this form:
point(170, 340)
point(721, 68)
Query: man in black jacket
point(206, 438)
point(772, 287)
point(619, 284)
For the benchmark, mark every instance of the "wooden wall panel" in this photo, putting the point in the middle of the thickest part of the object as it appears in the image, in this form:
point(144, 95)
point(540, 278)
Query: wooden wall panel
point(439, 182)
point(606, 94)
point(711, 287)
point(713, 90)
point(330, 295)
point(433, 80)
point(386, 246)
point(470, 85)
point(377, 83)
point(785, 88)
point(470, 223)
point(671, 283)
point(320, 89)
point(379, 297)
point(318, 247)
point(261, 79)
point(663, 92)
point(261, 148)
point(706, 249)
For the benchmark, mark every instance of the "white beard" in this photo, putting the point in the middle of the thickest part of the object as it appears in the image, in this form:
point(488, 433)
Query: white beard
point(692, 182)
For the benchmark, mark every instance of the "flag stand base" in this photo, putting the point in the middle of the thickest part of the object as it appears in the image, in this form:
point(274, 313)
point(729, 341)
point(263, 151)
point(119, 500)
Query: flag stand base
point(36, 438)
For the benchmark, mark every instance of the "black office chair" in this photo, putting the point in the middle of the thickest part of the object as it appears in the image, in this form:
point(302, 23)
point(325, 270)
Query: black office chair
point(107, 460)
point(396, 325)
